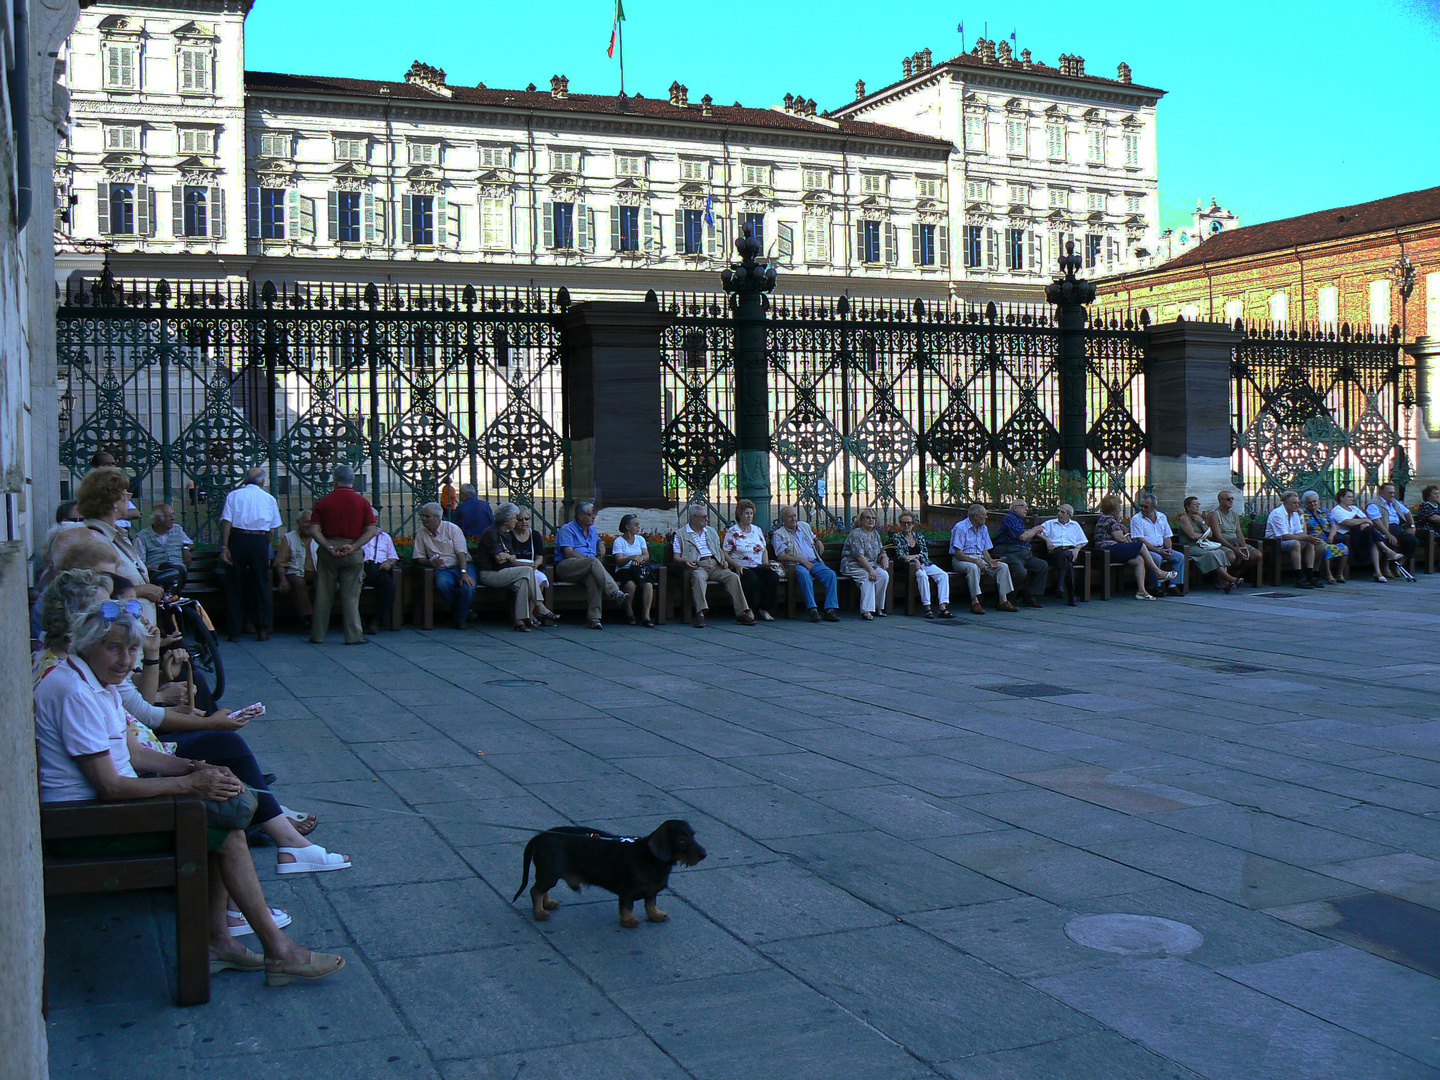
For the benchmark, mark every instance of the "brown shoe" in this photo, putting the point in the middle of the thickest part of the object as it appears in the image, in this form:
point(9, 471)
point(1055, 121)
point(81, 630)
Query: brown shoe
point(977, 608)
point(831, 615)
point(1006, 605)
point(699, 620)
point(814, 615)
point(1030, 601)
point(262, 635)
point(745, 618)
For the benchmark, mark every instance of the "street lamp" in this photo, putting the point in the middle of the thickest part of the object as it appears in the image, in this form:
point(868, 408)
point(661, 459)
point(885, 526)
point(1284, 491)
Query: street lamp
point(748, 281)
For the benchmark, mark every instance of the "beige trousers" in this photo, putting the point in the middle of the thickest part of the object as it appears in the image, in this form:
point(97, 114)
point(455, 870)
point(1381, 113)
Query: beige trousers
point(518, 579)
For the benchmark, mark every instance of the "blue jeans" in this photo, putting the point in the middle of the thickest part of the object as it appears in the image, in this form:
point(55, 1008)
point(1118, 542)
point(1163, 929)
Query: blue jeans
point(825, 576)
point(1174, 561)
point(456, 593)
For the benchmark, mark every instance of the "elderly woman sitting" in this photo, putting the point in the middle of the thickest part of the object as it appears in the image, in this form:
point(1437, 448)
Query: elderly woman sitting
point(500, 570)
point(633, 572)
point(1113, 537)
point(912, 551)
point(1197, 538)
point(745, 544)
point(1365, 542)
point(85, 753)
point(1319, 524)
point(863, 561)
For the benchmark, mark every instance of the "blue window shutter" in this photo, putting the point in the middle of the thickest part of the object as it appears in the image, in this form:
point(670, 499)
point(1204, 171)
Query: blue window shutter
point(367, 215)
point(547, 220)
point(217, 212)
point(943, 232)
point(332, 201)
point(615, 228)
point(647, 229)
point(102, 207)
point(177, 212)
point(252, 213)
point(407, 232)
point(442, 221)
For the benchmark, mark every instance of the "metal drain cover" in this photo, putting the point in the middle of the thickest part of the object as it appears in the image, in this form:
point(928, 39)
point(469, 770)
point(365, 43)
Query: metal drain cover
point(1144, 936)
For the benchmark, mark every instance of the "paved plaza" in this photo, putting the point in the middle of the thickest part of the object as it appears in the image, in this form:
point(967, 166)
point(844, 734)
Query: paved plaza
point(902, 819)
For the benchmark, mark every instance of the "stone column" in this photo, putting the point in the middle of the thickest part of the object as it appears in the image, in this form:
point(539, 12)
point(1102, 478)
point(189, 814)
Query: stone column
point(613, 384)
point(1187, 410)
point(1426, 467)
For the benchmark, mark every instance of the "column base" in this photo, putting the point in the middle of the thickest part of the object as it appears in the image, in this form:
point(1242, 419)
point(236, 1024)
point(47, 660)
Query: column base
point(1175, 478)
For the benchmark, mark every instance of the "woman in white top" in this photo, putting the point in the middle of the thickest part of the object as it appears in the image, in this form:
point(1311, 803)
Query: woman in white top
point(745, 543)
point(84, 753)
point(1365, 542)
point(633, 571)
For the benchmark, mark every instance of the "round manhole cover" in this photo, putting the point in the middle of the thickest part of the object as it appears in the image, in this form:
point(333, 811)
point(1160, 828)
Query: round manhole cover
point(514, 682)
point(1145, 936)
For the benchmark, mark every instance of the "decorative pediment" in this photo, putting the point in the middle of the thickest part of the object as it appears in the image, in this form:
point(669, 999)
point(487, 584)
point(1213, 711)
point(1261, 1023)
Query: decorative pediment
point(1017, 210)
point(925, 205)
point(876, 202)
point(123, 161)
point(422, 172)
point(628, 196)
point(197, 31)
point(1095, 217)
point(426, 186)
point(121, 26)
point(351, 170)
point(1058, 214)
point(494, 176)
point(1131, 122)
point(692, 202)
point(756, 193)
point(1015, 105)
point(195, 161)
point(563, 180)
point(692, 189)
point(872, 213)
point(977, 206)
point(631, 183)
point(815, 198)
point(1093, 116)
point(1056, 112)
point(1135, 219)
point(277, 173)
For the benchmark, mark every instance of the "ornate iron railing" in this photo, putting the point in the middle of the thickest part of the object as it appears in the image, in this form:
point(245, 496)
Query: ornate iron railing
point(417, 388)
point(1320, 408)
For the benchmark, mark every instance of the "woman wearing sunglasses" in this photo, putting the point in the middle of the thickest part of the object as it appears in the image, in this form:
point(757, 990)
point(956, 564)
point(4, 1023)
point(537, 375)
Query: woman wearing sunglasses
point(84, 753)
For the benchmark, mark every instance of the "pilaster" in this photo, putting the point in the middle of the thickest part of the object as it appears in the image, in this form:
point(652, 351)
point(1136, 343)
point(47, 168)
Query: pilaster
point(1187, 409)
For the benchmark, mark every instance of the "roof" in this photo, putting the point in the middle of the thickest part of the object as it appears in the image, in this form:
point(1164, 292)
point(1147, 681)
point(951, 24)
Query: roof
point(968, 60)
point(543, 100)
point(1339, 223)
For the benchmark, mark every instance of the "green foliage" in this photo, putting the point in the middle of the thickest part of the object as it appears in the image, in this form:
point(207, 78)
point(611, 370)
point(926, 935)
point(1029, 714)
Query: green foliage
point(997, 486)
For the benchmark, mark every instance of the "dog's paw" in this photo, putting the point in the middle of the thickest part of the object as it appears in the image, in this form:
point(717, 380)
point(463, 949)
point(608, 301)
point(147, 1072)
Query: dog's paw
point(541, 914)
point(630, 922)
point(551, 905)
point(656, 915)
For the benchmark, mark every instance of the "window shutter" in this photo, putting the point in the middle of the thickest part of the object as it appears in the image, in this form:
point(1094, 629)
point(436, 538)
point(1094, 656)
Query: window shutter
point(582, 227)
point(680, 238)
point(860, 241)
point(442, 221)
point(1033, 251)
point(915, 245)
point(367, 215)
point(891, 243)
point(407, 230)
point(647, 229)
point(177, 212)
point(943, 233)
point(786, 233)
point(455, 226)
point(615, 229)
point(992, 249)
point(307, 219)
point(332, 207)
point(144, 210)
point(382, 221)
point(712, 240)
point(589, 241)
point(547, 219)
point(217, 212)
point(252, 213)
point(102, 207)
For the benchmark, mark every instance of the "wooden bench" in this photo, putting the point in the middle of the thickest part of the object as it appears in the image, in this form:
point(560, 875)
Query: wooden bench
point(423, 597)
point(184, 869)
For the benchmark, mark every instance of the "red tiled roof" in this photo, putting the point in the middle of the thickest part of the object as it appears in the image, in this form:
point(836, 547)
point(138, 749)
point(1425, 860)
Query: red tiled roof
point(654, 108)
point(1340, 223)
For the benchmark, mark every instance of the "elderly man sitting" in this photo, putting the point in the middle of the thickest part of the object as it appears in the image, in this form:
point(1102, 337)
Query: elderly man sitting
point(440, 544)
point(796, 545)
point(1013, 547)
point(970, 555)
point(697, 546)
point(1152, 529)
point(166, 548)
point(578, 554)
point(1063, 537)
point(1287, 526)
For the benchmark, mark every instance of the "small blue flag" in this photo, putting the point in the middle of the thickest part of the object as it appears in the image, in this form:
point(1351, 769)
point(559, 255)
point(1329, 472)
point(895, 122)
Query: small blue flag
point(709, 213)
point(1012, 35)
point(960, 29)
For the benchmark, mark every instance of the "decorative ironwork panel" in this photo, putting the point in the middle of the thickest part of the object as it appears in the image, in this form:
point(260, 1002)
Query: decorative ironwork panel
point(1115, 411)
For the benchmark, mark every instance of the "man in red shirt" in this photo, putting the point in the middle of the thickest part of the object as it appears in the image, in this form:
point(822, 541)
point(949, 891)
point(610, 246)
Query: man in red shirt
point(341, 524)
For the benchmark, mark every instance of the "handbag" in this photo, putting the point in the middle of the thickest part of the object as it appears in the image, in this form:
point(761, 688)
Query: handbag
point(1206, 545)
point(235, 812)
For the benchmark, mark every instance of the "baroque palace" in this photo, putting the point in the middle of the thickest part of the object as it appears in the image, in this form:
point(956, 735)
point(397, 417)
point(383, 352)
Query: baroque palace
point(961, 180)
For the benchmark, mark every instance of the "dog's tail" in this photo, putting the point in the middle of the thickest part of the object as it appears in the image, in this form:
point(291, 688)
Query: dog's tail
point(529, 849)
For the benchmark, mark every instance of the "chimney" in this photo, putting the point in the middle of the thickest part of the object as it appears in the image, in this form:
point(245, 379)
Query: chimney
point(1004, 52)
point(859, 89)
point(810, 107)
point(1079, 65)
point(1025, 60)
point(789, 100)
point(560, 87)
point(926, 58)
point(986, 50)
point(905, 66)
point(530, 89)
point(430, 78)
point(705, 103)
point(1123, 73)
point(675, 96)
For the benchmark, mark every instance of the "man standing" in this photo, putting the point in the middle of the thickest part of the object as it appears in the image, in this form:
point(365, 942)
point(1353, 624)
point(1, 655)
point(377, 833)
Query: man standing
point(1394, 520)
point(1287, 526)
point(166, 548)
point(697, 546)
point(1065, 539)
point(440, 545)
point(381, 558)
point(1153, 530)
point(341, 524)
point(970, 555)
point(796, 545)
point(473, 514)
point(1028, 571)
point(578, 555)
point(295, 567)
point(247, 525)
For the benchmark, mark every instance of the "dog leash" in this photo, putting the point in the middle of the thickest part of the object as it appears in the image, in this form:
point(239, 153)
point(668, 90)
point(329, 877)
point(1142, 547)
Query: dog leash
point(442, 817)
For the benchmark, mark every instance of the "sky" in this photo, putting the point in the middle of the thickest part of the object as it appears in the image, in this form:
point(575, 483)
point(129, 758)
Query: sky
point(1274, 107)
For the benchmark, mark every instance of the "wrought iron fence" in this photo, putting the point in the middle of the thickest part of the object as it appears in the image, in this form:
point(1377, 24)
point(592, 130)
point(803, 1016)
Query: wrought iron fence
point(417, 388)
point(1322, 408)
point(885, 405)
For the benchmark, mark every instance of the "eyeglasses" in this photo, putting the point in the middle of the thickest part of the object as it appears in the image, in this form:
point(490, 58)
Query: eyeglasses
point(110, 609)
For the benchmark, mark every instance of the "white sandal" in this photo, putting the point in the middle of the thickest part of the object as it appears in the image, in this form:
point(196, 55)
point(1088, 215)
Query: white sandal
point(309, 860)
point(1138, 596)
point(281, 917)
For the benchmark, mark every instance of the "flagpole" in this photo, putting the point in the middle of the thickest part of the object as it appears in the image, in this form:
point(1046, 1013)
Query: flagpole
point(620, 43)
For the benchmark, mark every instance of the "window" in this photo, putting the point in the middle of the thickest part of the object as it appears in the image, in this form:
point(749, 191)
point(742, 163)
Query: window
point(756, 224)
point(1280, 308)
point(1093, 244)
point(494, 223)
point(869, 241)
point(1132, 151)
point(562, 224)
point(817, 239)
point(424, 153)
point(815, 179)
point(351, 149)
point(1015, 137)
point(1020, 194)
point(495, 157)
point(1190, 312)
point(272, 214)
point(1055, 141)
point(974, 239)
point(692, 242)
point(694, 170)
point(756, 175)
point(1134, 204)
point(1060, 198)
point(924, 253)
point(629, 165)
point(121, 61)
point(975, 132)
point(421, 218)
point(1094, 200)
point(1015, 249)
point(1380, 304)
point(872, 184)
point(194, 212)
point(927, 188)
point(1328, 304)
point(121, 209)
point(122, 136)
point(627, 228)
point(977, 190)
point(197, 141)
point(345, 217)
point(1096, 142)
point(274, 146)
point(1234, 310)
point(195, 71)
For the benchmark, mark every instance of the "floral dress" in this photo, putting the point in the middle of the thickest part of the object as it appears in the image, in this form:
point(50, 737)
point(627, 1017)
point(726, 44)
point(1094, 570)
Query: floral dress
point(1318, 523)
point(1423, 513)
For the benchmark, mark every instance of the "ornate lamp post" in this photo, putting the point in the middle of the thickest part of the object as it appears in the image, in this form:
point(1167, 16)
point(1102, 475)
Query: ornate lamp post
point(748, 281)
point(1070, 295)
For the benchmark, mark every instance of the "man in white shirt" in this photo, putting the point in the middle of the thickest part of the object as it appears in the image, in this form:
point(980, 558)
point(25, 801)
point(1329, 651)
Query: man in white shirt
point(970, 555)
point(1065, 540)
point(381, 558)
point(1152, 529)
point(1395, 522)
point(247, 528)
point(1287, 526)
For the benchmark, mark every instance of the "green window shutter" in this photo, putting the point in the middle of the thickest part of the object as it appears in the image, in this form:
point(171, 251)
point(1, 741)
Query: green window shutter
point(647, 229)
point(307, 219)
point(787, 241)
point(332, 207)
point(407, 232)
point(860, 241)
point(615, 230)
point(915, 245)
point(713, 242)
point(177, 212)
point(680, 233)
point(442, 221)
point(144, 210)
point(252, 213)
point(1032, 252)
point(582, 227)
point(547, 221)
point(217, 212)
point(992, 249)
point(102, 207)
point(892, 242)
point(943, 244)
point(456, 225)
point(367, 215)
point(292, 214)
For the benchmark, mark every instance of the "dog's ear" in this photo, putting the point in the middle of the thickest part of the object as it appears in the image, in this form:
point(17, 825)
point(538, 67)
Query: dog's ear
point(659, 844)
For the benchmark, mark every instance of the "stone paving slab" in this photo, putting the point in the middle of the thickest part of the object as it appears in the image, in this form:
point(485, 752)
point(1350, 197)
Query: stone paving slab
point(895, 850)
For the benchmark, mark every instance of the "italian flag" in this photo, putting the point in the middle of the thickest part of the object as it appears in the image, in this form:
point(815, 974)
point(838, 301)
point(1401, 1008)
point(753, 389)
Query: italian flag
point(615, 27)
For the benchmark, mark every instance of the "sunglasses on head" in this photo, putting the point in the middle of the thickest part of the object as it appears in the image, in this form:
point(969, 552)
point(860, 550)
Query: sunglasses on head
point(111, 609)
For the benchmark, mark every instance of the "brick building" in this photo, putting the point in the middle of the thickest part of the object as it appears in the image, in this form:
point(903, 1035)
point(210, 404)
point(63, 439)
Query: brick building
point(1371, 266)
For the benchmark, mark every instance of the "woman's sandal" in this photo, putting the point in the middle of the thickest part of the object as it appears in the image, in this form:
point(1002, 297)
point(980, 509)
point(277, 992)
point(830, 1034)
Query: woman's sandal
point(1144, 596)
point(765, 616)
point(650, 622)
point(304, 823)
point(867, 616)
point(240, 929)
point(280, 972)
point(632, 621)
point(244, 960)
point(522, 627)
point(309, 860)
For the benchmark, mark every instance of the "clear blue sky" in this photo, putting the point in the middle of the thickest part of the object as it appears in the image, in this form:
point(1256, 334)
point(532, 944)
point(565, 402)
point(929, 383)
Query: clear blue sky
point(1275, 107)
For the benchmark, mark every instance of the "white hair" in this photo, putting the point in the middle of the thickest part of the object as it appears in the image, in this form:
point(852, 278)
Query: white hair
point(433, 506)
point(505, 511)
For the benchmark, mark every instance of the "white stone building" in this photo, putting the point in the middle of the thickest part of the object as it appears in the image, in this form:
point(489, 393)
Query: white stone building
point(192, 168)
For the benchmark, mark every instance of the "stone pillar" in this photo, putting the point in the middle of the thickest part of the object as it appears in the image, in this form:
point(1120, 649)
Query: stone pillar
point(1426, 466)
point(613, 385)
point(1187, 410)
